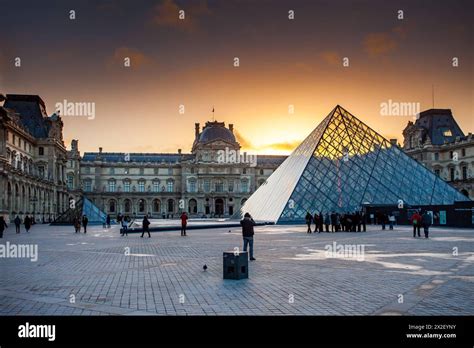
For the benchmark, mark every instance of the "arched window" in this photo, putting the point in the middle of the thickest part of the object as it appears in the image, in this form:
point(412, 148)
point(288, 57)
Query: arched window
point(156, 206)
point(192, 206)
point(112, 206)
point(141, 206)
point(170, 206)
point(127, 206)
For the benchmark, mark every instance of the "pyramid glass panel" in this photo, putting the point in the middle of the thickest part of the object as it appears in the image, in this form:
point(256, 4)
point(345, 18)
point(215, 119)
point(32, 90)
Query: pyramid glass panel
point(340, 166)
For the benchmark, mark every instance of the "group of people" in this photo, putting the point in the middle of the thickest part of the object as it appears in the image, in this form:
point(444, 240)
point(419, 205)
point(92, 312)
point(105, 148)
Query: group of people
point(27, 222)
point(78, 222)
point(419, 219)
point(335, 222)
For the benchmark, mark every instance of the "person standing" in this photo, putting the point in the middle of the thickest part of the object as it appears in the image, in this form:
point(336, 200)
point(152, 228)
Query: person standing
point(364, 222)
point(85, 221)
point(17, 222)
point(309, 219)
point(416, 221)
point(184, 223)
point(247, 224)
point(327, 221)
point(333, 222)
point(27, 224)
point(146, 226)
point(321, 221)
point(426, 220)
point(316, 222)
point(107, 221)
point(3, 226)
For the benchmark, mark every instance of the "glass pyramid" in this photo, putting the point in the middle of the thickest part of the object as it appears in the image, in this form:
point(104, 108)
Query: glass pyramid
point(83, 207)
point(341, 165)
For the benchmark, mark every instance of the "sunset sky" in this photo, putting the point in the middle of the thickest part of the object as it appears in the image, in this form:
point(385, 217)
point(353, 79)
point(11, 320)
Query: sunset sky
point(191, 62)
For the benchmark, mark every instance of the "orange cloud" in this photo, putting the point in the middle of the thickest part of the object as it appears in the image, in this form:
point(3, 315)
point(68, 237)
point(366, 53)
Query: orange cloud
point(331, 57)
point(377, 44)
point(166, 14)
point(137, 58)
point(278, 146)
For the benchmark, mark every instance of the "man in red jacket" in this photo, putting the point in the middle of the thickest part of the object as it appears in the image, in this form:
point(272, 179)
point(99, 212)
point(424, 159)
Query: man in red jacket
point(416, 221)
point(184, 222)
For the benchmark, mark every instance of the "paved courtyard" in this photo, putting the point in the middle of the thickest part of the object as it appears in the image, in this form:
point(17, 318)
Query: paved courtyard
point(292, 275)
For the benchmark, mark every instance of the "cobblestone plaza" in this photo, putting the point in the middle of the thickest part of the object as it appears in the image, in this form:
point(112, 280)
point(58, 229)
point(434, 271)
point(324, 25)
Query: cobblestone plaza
point(163, 275)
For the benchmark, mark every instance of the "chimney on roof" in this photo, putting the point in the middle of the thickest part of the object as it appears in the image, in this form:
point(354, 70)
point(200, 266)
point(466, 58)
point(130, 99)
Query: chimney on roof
point(393, 142)
point(196, 130)
point(100, 149)
point(179, 151)
point(231, 128)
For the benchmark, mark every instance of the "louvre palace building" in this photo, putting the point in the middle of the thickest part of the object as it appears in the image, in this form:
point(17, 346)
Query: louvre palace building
point(33, 160)
point(39, 177)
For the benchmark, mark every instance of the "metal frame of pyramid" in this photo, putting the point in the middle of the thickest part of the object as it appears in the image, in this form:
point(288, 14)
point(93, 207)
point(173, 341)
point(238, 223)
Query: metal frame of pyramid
point(83, 207)
point(340, 166)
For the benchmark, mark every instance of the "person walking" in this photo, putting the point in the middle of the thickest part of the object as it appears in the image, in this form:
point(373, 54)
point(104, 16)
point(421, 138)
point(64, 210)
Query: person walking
point(27, 224)
point(17, 222)
point(77, 224)
point(3, 226)
point(107, 221)
point(146, 226)
point(316, 222)
point(247, 224)
point(327, 221)
point(416, 221)
point(391, 220)
point(426, 220)
point(309, 219)
point(85, 221)
point(124, 227)
point(184, 223)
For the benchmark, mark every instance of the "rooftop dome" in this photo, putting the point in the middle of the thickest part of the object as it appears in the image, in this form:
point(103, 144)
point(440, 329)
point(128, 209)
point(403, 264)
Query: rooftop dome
point(216, 130)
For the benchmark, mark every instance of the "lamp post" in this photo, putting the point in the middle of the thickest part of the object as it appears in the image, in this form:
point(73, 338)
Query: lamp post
point(34, 200)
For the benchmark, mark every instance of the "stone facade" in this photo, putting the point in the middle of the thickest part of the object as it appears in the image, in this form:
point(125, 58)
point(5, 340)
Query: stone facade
point(436, 140)
point(32, 160)
point(214, 180)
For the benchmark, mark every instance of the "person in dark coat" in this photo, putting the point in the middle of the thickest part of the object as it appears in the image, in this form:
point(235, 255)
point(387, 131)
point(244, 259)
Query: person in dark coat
point(17, 222)
point(333, 222)
point(426, 221)
point(247, 224)
point(316, 222)
point(327, 221)
point(3, 226)
point(416, 222)
point(184, 223)
point(107, 221)
point(77, 224)
point(27, 223)
point(85, 221)
point(146, 227)
point(321, 221)
point(363, 219)
point(308, 219)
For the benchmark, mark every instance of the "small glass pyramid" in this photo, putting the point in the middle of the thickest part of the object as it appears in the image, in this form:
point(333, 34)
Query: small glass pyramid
point(340, 166)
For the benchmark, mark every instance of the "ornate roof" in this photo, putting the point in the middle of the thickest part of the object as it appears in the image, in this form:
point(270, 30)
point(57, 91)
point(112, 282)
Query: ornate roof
point(214, 131)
